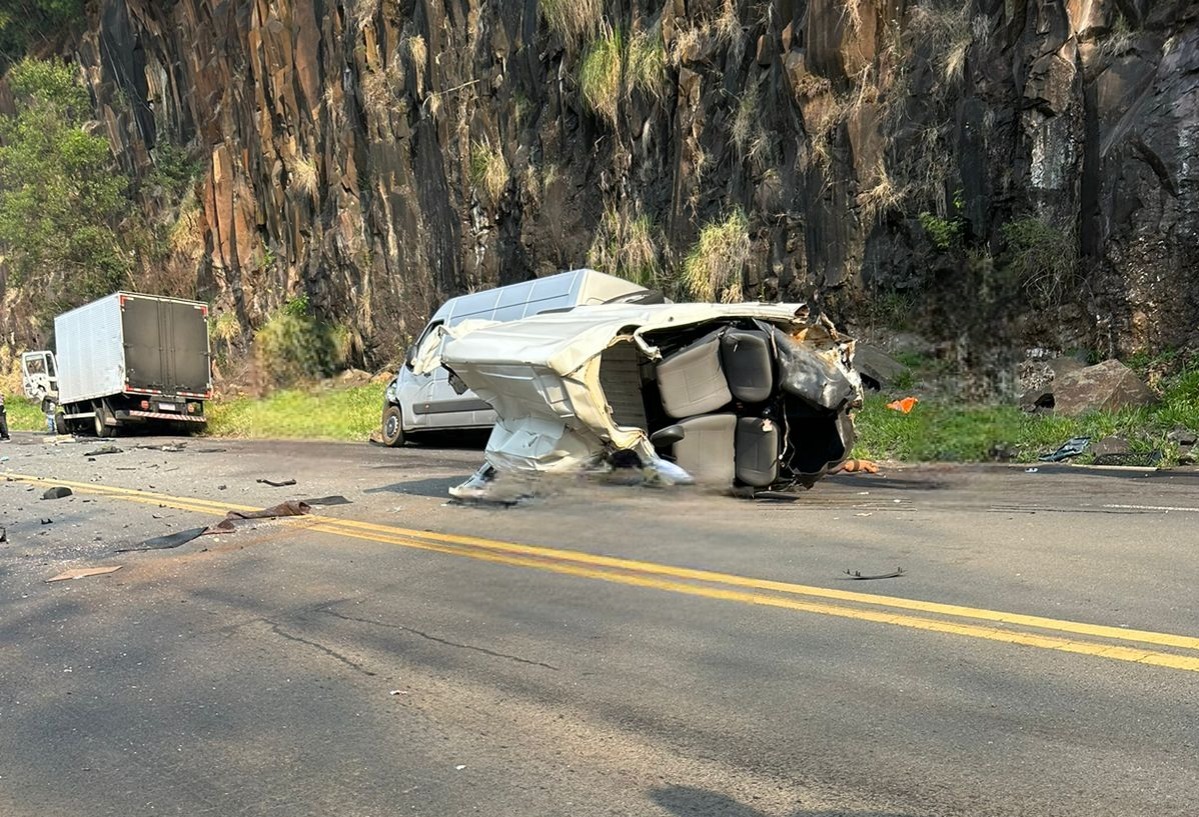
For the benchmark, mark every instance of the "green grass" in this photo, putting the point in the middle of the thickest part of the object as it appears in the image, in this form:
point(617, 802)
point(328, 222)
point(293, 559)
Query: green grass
point(24, 415)
point(344, 414)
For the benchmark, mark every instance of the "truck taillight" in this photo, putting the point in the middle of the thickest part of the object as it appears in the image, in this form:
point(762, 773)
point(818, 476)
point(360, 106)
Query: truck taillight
point(191, 408)
point(145, 404)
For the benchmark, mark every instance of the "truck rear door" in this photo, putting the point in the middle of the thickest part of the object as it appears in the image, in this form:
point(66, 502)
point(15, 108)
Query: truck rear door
point(166, 346)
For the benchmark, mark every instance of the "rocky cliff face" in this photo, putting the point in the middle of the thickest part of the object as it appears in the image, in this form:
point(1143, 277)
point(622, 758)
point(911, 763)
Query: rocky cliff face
point(1015, 171)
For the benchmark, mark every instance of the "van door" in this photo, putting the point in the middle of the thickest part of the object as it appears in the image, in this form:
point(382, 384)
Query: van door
point(39, 374)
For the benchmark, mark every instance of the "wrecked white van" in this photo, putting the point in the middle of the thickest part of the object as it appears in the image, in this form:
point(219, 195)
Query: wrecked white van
point(740, 396)
point(416, 402)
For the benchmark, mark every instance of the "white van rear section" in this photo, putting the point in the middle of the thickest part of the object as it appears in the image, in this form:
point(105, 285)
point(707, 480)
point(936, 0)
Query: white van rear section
point(427, 402)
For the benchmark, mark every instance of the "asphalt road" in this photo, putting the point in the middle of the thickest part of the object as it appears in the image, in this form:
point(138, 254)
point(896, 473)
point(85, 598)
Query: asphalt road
point(600, 649)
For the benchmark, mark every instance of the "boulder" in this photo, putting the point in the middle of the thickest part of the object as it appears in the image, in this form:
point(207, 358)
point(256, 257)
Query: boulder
point(383, 376)
point(878, 369)
point(1110, 446)
point(1108, 386)
point(1038, 378)
point(353, 377)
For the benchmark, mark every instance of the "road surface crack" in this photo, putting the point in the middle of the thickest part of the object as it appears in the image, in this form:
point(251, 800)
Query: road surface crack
point(444, 641)
point(354, 665)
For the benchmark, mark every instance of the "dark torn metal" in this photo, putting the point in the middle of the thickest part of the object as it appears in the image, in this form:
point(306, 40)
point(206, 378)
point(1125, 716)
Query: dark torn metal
point(327, 501)
point(280, 484)
point(57, 492)
point(226, 525)
point(856, 575)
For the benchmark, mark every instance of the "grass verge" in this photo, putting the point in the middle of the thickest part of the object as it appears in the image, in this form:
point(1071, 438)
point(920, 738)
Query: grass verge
point(344, 414)
point(24, 415)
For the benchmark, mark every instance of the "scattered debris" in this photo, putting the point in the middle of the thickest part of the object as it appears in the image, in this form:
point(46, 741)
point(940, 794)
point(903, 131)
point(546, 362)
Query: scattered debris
point(3, 535)
point(1031, 470)
point(905, 405)
point(1070, 448)
point(104, 449)
point(856, 466)
point(856, 575)
point(226, 525)
point(173, 540)
point(398, 692)
point(277, 484)
point(326, 501)
point(57, 492)
point(83, 573)
point(47, 521)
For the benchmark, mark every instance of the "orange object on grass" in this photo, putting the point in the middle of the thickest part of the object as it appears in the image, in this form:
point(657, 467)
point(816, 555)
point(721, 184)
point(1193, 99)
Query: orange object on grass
point(905, 405)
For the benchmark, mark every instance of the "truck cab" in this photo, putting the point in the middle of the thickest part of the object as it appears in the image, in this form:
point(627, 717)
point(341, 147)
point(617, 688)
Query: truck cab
point(39, 375)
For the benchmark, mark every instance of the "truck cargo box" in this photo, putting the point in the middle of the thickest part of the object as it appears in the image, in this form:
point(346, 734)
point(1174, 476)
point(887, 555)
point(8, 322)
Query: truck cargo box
point(131, 343)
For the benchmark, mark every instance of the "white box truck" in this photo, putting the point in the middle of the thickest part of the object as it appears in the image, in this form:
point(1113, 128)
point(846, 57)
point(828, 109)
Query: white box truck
point(126, 359)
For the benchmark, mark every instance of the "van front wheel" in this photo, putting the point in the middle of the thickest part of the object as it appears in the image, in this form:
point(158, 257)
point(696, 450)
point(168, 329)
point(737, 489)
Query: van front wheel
point(393, 427)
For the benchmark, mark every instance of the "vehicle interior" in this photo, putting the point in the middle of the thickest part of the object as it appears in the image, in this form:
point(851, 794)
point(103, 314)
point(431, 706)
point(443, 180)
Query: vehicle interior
point(739, 403)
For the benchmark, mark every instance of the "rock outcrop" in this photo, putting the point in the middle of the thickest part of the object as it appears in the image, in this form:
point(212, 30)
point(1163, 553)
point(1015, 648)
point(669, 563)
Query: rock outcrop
point(1003, 172)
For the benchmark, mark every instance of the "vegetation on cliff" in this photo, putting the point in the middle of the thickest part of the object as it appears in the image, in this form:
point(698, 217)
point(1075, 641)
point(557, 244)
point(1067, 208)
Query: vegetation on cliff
point(60, 202)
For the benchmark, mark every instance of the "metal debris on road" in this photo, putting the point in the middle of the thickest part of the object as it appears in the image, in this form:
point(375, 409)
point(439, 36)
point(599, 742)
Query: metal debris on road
point(856, 575)
point(57, 492)
point(277, 484)
point(47, 521)
point(225, 526)
point(83, 573)
point(104, 449)
point(326, 501)
point(1070, 448)
point(3, 535)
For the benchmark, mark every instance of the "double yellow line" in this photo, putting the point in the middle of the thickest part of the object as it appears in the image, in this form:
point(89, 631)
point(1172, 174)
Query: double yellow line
point(1121, 644)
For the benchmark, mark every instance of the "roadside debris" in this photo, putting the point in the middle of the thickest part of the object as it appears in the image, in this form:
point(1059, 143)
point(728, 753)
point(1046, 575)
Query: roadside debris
point(57, 492)
point(729, 395)
point(104, 449)
point(283, 483)
point(855, 466)
point(1070, 448)
point(856, 575)
point(326, 501)
point(47, 521)
point(3, 535)
point(225, 526)
point(83, 573)
point(905, 405)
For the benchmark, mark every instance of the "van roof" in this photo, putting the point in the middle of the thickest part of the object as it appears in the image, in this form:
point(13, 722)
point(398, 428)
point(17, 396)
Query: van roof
point(515, 301)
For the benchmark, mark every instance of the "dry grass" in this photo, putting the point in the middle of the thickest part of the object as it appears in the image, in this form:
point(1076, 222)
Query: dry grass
point(626, 247)
point(647, 61)
point(186, 235)
point(576, 21)
point(365, 12)
point(1120, 38)
point(418, 53)
point(599, 75)
point(852, 11)
point(714, 267)
point(947, 30)
point(304, 175)
point(745, 121)
point(880, 198)
point(727, 25)
point(488, 170)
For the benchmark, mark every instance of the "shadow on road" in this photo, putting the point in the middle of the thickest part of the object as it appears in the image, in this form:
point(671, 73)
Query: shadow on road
point(436, 487)
point(688, 801)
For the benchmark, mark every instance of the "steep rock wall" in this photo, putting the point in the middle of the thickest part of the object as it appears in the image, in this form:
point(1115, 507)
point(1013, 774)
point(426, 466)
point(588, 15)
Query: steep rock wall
point(381, 155)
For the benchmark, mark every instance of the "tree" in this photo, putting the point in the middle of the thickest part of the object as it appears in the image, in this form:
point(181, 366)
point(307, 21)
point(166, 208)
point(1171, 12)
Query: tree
point(61, 198)
point(23, 23)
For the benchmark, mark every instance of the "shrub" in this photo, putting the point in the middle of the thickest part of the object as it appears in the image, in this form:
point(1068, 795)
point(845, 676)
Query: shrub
point(488, 170)
point(1041, 258)
point(626, 247)
point(304, 175)
point(599, 74)
point(647, 61)
point(713, 268)
point(942, 232)
point(293, 345)
point(574, 20)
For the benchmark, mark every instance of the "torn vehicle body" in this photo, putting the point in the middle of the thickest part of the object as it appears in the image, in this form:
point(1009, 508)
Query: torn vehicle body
point(749, 396)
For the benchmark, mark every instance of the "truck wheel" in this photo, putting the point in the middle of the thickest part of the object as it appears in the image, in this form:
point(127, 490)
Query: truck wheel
point(60, 423)
point(393, 427)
